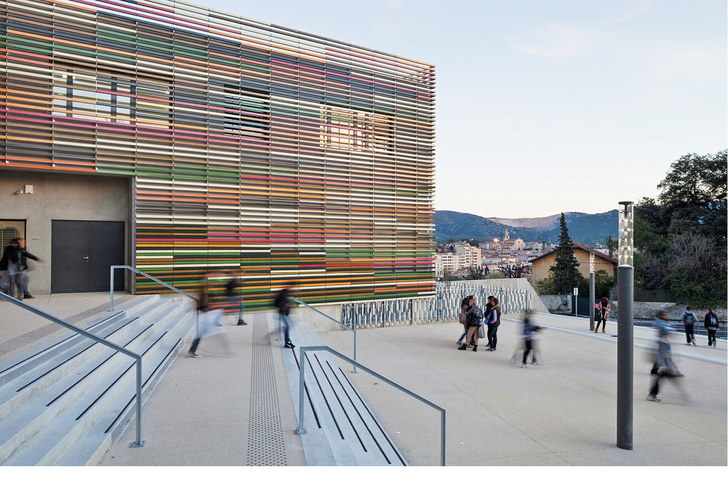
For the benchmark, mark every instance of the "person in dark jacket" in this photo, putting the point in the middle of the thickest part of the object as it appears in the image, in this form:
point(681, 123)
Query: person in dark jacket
point(689, 320)
point(493, 323)
point(712, 326)
point(15, 259)
point(235, 296)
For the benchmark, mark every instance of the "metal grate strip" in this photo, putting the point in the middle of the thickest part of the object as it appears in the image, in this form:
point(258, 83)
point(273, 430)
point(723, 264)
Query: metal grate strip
point(266, 444)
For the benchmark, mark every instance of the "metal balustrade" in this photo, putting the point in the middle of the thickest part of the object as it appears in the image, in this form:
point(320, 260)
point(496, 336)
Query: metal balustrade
point(443, 306)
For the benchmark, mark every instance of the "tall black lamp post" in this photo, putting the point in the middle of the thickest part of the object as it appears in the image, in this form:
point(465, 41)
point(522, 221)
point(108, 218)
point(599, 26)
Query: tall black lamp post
point(591, 291)
point(625, 326)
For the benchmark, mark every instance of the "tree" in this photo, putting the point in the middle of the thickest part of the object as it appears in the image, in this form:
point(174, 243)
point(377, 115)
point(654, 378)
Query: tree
point(478, 273)
point(611, 246)
point(680, 238)
point(566, 270)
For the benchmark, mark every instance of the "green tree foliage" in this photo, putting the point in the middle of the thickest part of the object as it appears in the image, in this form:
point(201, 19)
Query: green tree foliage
point(681, 237)
point(566, 269)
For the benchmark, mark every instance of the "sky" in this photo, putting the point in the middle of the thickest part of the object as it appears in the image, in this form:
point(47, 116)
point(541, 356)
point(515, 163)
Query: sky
point(545, 106)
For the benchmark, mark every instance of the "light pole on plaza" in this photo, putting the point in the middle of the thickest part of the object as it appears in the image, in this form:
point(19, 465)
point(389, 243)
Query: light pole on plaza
point(591, 291)
point(625, 326)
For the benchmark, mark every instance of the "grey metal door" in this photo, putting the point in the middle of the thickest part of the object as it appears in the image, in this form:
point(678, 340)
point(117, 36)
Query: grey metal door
point(81, 254)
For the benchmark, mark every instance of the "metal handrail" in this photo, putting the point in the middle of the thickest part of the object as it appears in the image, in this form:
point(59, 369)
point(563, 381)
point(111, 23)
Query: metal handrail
point(114, 267)
point(352, 328)
point(302, 430)
point(139, 442)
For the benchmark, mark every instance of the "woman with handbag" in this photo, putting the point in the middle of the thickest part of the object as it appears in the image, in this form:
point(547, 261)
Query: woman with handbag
point(474, 322)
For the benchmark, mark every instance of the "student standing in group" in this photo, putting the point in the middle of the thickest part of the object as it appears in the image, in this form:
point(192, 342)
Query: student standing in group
point(493, 324)
point(603, 314)
point(689, 319)
point(712, 326)
point(464, 316)
point(474, 322)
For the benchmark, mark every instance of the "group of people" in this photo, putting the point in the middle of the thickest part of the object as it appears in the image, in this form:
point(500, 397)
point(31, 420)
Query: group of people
point(473, 318)
point(664, 367)
point(14, 261)
point(710, 323)
point(210, 315)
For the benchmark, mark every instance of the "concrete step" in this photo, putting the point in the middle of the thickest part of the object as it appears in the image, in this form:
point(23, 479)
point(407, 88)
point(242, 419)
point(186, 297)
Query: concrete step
point(70, 410)
point(340, 427)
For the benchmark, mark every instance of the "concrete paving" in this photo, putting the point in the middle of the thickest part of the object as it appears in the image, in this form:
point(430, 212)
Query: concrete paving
point(559, 413)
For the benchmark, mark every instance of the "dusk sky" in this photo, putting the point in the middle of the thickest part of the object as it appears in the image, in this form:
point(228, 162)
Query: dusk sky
point(545, 106)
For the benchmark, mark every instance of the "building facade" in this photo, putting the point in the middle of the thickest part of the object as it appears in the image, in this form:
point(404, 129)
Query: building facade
point(181, 141)
point(542, 264)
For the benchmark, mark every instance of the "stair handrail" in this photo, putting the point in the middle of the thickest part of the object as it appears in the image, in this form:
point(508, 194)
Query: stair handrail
point(352, 328)
point(114, 267)
point(302, 430)
point(139, 442)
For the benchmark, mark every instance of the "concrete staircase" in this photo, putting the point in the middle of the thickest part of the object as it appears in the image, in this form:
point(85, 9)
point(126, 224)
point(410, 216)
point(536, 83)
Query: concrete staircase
point(341, 429)
point(62, 402)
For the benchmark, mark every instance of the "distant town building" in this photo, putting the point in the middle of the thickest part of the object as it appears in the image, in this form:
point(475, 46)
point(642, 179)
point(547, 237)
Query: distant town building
point(542, 264)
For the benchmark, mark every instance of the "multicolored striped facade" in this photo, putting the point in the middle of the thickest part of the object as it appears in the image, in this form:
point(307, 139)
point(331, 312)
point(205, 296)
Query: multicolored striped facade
point(293, 157)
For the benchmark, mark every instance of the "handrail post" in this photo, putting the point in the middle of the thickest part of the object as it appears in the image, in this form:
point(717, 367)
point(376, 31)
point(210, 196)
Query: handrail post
point(139, 442)
point(301, 430)
point(111, 286)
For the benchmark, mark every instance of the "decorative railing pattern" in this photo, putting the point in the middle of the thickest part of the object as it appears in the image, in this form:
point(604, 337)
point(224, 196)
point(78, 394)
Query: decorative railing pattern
point(444, 306)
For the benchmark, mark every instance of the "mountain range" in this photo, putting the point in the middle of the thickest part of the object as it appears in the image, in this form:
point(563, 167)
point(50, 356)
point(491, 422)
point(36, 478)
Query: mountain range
point(589, 229)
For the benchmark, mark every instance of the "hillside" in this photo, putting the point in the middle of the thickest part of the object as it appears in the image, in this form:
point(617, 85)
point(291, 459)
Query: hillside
point(588, 229)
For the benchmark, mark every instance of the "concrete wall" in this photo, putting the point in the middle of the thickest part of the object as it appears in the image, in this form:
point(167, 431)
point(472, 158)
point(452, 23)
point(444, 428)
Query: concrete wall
point(61, 197)
point(648, 310)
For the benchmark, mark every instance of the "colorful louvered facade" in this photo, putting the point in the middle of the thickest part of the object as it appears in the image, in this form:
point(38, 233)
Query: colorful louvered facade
point(293, 157)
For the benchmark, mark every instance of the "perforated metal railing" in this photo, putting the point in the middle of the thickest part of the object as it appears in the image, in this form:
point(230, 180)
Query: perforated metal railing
point(443, 306)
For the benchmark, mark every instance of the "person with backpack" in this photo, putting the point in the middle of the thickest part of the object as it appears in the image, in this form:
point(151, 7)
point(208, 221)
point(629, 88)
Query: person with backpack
point(474, 322)
point(689, 319)
point(712, 326)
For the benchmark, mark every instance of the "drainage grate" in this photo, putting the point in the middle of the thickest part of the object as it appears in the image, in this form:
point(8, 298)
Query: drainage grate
point(266, 444)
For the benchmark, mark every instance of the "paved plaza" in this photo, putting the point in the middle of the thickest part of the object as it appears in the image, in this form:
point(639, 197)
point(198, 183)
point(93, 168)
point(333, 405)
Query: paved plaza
point(559, 413)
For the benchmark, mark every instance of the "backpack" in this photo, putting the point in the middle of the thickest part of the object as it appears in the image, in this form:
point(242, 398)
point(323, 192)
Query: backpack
point(689, 318)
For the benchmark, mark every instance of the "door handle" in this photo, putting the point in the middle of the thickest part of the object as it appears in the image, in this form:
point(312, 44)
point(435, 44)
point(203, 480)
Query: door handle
point(85, 258)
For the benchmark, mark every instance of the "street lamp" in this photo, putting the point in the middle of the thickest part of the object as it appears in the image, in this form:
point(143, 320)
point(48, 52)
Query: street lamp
point(625, 326)
point(591, 291)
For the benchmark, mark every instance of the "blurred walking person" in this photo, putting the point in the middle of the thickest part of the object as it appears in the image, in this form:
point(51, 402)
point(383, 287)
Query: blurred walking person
point(235, 296)
point(529, 329)
point(711, 326)
point(15, 260)
point(207, 317)
point(284, 318)
point(665, 365)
